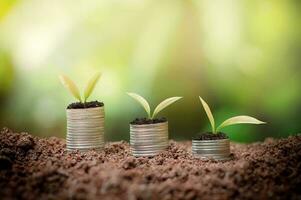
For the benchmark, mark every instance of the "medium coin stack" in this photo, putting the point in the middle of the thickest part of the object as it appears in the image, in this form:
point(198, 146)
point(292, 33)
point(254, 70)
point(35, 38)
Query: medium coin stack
point(148, 139)
point(216, 149)
point(85, 129)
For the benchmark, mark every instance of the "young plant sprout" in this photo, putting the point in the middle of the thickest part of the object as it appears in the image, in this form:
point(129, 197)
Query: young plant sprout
point(149, 136)
point(146, 106)
point(216, 145)
point(85, 120)
point(73, 89)
point(242, 119)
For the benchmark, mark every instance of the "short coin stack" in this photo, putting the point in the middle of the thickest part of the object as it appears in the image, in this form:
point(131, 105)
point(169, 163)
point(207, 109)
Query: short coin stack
point(85, 129)
point(215, 149)
point(148, 139)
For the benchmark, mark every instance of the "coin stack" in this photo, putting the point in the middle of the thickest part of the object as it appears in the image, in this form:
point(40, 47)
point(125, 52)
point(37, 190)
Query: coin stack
point(148, 139)
point(85, 129)
point(216, 149)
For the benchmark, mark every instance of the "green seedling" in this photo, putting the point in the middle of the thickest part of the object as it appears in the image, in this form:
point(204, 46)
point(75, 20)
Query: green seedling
point(73, 89)
point(242, 119)
point(146, 106)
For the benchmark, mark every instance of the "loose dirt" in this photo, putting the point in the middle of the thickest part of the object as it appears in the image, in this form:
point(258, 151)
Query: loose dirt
point(211, 136)
point(80, 105)
point(40, 168)
point(142, 121)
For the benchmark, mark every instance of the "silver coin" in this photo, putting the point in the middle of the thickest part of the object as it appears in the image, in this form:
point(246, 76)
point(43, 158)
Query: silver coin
point(149, 144)
point(91, 137)
point(156, 140)
point(83, 141)
point(215, 149)
point(83, 149)
point(134, 149)
point(85, 145)
point(85, 129)
point(148, 139)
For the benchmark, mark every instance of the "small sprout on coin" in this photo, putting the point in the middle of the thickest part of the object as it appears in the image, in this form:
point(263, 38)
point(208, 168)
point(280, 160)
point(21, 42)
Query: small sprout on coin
point(242, 119)
point(73, 89)
point(159, 108)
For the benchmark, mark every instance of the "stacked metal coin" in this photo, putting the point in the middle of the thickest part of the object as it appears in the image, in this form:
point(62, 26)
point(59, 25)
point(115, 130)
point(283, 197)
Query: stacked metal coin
point(148, 139)
point(215, 149)
point(85, 129)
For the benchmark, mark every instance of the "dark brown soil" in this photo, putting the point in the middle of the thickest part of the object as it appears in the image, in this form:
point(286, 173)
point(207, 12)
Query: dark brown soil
point(36, 168)
point(141, 121)
point(211, 136)
point(80, 105)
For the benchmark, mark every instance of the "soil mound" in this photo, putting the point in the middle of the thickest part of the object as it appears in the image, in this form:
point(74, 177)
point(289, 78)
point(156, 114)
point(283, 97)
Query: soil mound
point(38, 168)
point(80, 105)
point(142, 121)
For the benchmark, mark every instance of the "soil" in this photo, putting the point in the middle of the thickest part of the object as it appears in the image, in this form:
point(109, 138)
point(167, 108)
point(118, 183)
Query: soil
point(211, 136)
point(40, 168)
point(141, 121)
point(80, 105)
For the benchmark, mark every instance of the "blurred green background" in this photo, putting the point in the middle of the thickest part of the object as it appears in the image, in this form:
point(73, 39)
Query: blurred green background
point(242, 57)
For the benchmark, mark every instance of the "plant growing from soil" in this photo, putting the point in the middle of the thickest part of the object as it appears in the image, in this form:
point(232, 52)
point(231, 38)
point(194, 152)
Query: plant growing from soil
point(85, 120)
point(158, 109)
point(242, 119)
point(149, 136)
point(216, 145)
point(73, 89)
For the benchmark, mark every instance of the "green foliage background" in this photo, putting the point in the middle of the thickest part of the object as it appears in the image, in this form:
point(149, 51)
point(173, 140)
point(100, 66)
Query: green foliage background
point(242, 57)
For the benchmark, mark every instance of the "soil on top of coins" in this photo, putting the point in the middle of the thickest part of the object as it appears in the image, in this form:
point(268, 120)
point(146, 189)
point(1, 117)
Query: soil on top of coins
point(41, 168)
point(142, 121)
point(80, 105)
point(211, 136)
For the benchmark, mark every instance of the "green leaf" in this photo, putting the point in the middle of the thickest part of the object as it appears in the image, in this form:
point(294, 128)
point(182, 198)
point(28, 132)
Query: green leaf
point(142, 101)
point(209, 114)
point(243, 119)
point(70, 85)
point(164, 104)
point(91, 85)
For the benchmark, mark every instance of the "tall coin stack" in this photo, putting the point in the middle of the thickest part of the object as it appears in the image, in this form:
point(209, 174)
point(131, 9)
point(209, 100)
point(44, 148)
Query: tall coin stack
point(215, 149)
point(148, 139)
point(85, 129)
